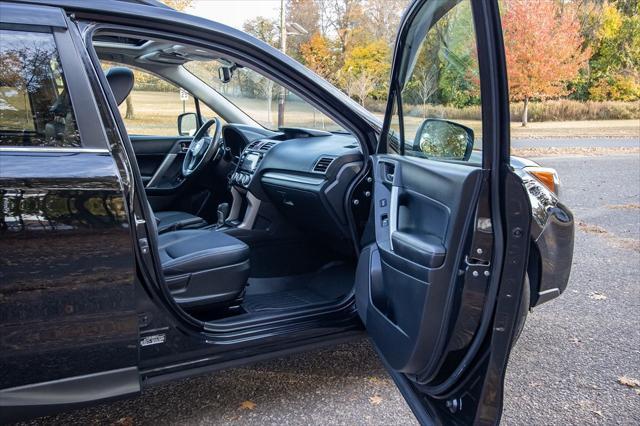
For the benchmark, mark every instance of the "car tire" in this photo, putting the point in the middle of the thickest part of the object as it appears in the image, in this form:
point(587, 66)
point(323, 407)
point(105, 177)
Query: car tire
point(524, 309)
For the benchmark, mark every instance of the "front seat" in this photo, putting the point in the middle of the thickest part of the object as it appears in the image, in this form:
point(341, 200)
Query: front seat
point(204, 268)
point(121, 81)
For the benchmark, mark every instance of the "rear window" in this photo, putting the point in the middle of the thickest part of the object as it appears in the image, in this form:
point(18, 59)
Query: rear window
point(35, 108)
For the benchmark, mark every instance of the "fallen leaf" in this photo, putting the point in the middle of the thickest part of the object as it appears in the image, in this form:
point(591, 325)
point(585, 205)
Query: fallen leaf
point(596, 295)
point(597, 412)
point(247, 405)
point(375, 399)
point(629, 381)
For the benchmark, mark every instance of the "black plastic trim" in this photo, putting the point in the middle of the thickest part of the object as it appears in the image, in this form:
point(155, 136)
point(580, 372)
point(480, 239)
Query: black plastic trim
point(38, 399)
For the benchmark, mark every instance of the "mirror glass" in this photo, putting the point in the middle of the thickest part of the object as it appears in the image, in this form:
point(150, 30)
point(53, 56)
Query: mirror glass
point(187, 124)
point(444, 139)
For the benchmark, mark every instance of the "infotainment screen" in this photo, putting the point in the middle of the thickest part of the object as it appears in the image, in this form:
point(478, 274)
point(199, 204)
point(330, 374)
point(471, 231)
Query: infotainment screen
point(250, 162)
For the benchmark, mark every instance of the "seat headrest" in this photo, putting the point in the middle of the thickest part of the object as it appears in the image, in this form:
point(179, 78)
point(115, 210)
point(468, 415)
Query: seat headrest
point(121, 81)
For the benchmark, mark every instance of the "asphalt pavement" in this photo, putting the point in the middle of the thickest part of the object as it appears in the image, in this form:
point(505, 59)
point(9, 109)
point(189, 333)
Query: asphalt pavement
point(576, 143)
point(564, 369)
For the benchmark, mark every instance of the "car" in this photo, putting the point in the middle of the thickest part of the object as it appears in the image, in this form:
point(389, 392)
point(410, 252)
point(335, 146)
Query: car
point(137, 251)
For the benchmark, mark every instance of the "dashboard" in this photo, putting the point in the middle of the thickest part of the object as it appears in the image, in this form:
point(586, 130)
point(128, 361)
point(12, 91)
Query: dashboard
point(304, 173)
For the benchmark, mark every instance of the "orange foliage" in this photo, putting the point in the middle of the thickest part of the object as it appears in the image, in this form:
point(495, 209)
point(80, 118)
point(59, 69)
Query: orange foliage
point(318, 56)
point(543, 48)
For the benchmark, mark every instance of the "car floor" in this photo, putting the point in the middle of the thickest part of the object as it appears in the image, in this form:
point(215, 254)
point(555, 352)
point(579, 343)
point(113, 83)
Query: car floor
point(328, 284)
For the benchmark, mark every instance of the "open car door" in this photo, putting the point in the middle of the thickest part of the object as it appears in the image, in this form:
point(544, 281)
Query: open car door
point(439, 290)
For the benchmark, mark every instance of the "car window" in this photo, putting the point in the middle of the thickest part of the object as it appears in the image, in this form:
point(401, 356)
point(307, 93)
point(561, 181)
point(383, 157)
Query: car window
point(440, 101)
point(35, 107)
point(154, 104)
point(261, 98)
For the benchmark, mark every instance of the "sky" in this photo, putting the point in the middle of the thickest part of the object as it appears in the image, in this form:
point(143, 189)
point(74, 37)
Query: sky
point(234, 12)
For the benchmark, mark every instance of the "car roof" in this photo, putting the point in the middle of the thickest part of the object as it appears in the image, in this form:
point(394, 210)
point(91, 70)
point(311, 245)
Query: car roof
point(156, 3)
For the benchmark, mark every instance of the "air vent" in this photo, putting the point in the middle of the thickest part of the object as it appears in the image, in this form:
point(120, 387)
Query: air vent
point(322, 164)
point(253, 144)
point(267, 146)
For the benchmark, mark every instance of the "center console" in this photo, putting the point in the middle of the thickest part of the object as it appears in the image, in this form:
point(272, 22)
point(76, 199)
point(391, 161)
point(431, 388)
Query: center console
point(247, 165)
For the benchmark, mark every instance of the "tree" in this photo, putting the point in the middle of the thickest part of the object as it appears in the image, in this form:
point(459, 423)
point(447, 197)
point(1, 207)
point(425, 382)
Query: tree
point(178, 4)
point(344, 18)
point(305, 13)
point(365, 67)
point(543, 48)
point(615, 64)
point(382, 18)
point(266, 30)
point(318, 55)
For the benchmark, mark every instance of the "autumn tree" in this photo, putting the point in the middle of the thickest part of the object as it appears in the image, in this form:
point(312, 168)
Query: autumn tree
point(543, 49)
point(614, 71)
point(382, 17)
point(306, 14)
point(178, 4)
point(319, 56)
point(344, 18)
point(365, 68)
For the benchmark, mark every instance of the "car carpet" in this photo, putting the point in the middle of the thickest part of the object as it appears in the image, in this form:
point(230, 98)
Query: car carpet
point(326, 285)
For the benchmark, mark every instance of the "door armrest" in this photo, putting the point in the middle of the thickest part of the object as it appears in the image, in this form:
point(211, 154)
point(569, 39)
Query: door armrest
point(426, 249)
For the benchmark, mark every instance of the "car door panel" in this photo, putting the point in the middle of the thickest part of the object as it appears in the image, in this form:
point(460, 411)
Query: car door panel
point(153, 151)
point(423, 212)
point(68, 318)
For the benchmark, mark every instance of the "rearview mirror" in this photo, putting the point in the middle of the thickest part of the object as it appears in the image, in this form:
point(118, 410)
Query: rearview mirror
point(187, 124)
point(444, 139)
point(225, 74)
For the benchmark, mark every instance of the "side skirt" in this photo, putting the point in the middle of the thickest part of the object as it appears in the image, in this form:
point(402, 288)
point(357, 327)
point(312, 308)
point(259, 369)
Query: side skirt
point(39, 399)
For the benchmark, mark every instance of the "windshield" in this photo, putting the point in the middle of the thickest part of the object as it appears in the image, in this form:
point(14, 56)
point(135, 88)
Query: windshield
point(262, 99)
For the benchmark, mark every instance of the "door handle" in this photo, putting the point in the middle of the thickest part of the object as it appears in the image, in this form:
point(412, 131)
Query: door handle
point(393, 214)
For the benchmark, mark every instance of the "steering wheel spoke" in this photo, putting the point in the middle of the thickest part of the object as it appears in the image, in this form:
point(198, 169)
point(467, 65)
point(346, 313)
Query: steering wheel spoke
point(202, 147)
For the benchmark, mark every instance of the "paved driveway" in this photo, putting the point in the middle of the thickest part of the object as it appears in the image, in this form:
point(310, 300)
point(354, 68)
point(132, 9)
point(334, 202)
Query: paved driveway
point(564, 369)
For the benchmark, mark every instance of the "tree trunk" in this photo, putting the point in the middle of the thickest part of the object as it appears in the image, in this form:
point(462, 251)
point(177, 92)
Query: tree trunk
point(525, 112)
point(129, 113)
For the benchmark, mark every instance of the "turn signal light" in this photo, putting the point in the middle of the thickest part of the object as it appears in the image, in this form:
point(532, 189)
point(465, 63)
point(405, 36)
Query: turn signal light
point(547, 176)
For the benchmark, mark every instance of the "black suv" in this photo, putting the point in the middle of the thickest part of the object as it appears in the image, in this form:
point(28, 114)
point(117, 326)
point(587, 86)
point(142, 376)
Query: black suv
point(135, 251)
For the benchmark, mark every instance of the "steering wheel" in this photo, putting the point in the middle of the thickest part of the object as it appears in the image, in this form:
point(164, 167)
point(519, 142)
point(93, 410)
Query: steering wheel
point(202, 148)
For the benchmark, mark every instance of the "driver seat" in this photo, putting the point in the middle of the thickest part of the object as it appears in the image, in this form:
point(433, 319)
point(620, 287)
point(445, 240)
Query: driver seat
point(121, 81)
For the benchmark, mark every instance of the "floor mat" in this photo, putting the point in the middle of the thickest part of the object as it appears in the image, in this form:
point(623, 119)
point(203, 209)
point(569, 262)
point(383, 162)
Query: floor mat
point(326, 285)
point(281, 300)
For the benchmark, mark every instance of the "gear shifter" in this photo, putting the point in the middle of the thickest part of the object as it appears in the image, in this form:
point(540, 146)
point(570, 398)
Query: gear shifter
point(223, 213)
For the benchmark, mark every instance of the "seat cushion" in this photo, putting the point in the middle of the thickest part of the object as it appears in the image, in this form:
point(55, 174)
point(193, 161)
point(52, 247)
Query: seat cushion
point(173, 220)
point(189, 251)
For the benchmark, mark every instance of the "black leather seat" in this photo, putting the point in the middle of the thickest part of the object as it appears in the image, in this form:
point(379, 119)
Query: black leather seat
point(204, 267)
point(121, 81)
point(174, 220)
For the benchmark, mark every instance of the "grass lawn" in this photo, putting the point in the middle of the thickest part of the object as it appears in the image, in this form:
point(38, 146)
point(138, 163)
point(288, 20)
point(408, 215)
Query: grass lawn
point(156, 114)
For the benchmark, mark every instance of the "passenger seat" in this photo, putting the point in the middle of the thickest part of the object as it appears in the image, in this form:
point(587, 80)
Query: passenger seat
point(204, 268)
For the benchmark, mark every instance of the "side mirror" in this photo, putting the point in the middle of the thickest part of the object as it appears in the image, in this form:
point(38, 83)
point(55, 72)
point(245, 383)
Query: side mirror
point(444, 139)
point(187, 124)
